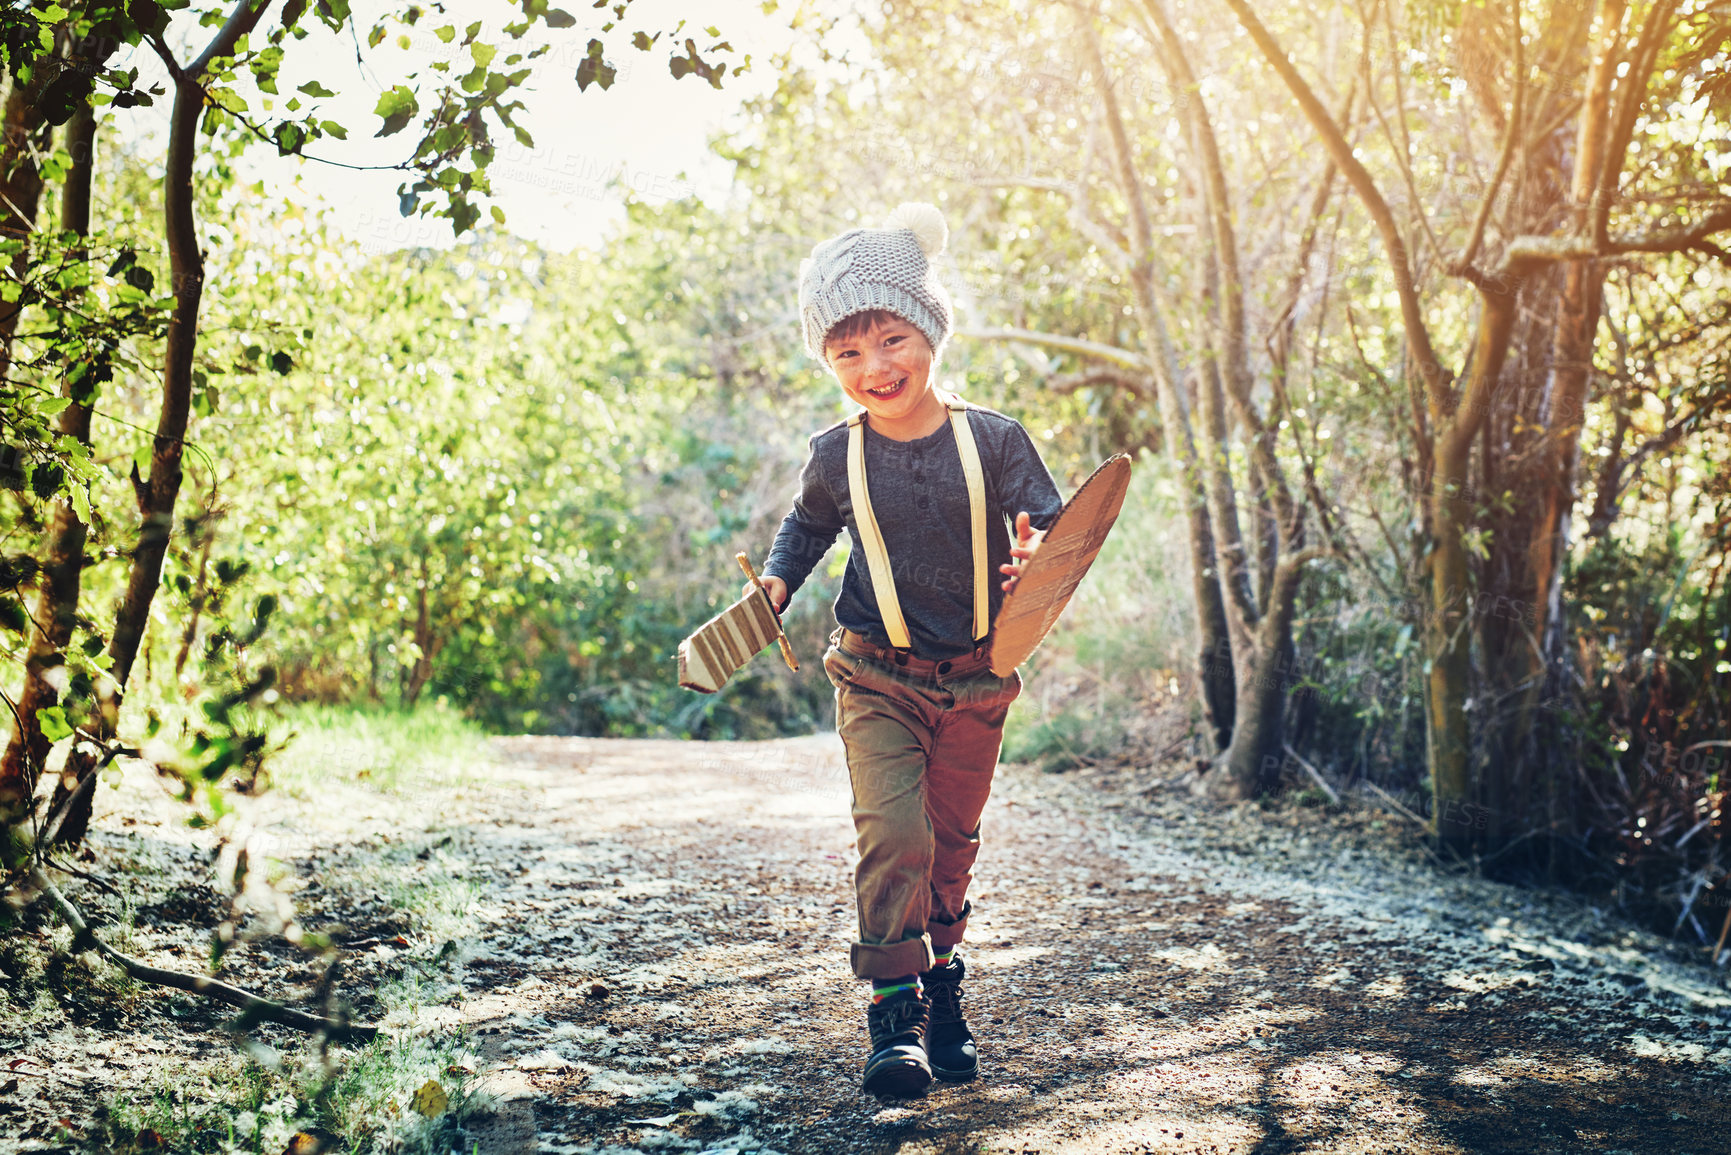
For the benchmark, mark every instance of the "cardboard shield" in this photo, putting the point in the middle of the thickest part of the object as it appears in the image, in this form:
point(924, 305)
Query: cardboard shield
point(1057, 567)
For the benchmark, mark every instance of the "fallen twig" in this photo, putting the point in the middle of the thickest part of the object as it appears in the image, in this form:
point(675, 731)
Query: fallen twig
point(1390, 799)
point(98, 883)
point(252, 1007)
point(1315, 775)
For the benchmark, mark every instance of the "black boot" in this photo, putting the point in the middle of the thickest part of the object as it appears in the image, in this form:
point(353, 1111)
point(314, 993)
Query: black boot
point(898, 1066)
point(949, 1043)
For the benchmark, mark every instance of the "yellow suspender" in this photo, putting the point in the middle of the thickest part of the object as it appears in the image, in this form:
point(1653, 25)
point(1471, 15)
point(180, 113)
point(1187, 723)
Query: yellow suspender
point(976, 478)
point(877, 556)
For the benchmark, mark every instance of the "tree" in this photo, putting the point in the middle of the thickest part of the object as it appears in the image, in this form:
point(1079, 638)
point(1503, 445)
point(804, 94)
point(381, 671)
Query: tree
point(449, 161)
point(1619, 65)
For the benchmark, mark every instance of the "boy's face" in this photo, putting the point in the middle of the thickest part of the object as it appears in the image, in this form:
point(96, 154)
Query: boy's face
point(887, 371)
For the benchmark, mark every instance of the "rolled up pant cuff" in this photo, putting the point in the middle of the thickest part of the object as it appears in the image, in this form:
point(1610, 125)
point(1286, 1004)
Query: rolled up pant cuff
point(946, 935)
point(892, 960)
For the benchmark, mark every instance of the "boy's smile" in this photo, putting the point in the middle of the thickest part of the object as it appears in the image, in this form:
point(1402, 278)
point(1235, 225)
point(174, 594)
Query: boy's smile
point(887, 372)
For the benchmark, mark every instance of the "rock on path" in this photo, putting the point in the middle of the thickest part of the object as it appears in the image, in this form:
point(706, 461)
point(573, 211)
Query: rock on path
point(665, 969)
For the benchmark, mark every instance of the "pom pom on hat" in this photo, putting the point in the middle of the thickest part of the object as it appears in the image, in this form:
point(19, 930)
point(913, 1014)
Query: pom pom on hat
point(925, 221)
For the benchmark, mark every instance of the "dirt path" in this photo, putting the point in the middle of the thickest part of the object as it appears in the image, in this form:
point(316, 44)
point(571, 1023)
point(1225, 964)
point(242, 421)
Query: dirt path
point(665, 970)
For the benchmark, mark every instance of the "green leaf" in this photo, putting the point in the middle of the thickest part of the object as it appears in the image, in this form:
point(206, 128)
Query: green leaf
point(147, 16)
point(335, 13)
point(281, 362)
point(228, 100)
point(498, 214)
point(447, 34)
point(332, 128)
point(289, 137)
point(46, 479)
point(559, 18)
point(52, 719)
point(483, 53)
point(396, 107)
point(49, 406)
point(64, 94)
point(314, 88)
point(594, 70)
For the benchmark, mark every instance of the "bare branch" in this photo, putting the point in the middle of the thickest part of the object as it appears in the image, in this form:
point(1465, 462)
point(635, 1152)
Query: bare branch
point(1315, 775)
point(1511, 134)
point(242, 20)
point(1080, 346)
point(1615, 482)
point(1403, 148)
point(1436, 378)
point(250, 1005)
point(1632, 94)
point(1135, 383)
point(1529, 250)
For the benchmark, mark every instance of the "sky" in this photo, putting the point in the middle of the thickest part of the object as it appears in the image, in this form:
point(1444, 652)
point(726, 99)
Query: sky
point(648, 128)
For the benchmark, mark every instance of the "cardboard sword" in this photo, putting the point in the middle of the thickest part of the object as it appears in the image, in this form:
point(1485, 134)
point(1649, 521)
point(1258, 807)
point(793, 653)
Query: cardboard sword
point(732, 638)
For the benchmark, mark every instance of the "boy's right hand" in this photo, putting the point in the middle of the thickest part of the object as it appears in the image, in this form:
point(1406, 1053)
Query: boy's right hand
point(774, 587)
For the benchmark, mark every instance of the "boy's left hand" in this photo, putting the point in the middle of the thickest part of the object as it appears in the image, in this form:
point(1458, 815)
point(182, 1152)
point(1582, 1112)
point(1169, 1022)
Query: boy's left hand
point(1027, 541)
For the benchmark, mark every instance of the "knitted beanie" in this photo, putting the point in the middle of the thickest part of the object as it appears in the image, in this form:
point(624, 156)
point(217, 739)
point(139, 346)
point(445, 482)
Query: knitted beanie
point(888, 268)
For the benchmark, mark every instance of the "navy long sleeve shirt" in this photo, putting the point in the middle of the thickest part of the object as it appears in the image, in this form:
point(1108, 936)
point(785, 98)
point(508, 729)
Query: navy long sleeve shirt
point(920, 497)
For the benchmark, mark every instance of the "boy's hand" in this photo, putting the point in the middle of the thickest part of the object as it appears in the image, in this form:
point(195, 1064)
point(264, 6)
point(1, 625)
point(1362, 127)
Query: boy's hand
point(1027, 541)
point(774, 587)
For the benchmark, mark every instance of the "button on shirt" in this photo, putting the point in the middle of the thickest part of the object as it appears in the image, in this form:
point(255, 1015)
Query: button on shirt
point(920, 497)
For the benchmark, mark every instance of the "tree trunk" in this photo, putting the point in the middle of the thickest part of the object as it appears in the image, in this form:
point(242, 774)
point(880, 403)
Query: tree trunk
point(1215, 667)
point(1564, 412)
point(62, 567)
point(27, 133)
point(1266, 675)
point(1449, 736)
point(157, 494)
point(422, 671)
point(1259, 614)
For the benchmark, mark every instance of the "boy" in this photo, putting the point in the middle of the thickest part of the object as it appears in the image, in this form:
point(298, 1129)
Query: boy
point(923, 483)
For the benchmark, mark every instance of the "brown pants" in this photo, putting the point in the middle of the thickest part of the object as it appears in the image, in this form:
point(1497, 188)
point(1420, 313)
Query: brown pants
point(922, 742)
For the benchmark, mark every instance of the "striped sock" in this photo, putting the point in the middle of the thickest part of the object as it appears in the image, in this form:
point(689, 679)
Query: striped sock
point(884, 988)
point(942, 958)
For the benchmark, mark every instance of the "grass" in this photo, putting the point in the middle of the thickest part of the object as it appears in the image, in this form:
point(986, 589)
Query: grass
point(1065, 740)
point(388, 751)
point(359, 1101)
point(371, 1098)
point(353, 1099)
